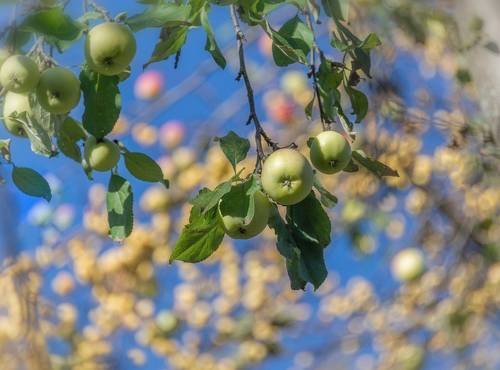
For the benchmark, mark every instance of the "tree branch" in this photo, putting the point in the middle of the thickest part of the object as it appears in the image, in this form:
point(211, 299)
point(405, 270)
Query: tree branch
point(259, 131)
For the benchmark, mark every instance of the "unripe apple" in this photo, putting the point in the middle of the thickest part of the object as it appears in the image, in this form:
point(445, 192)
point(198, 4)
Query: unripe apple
point(19, 74)
point(166, 321)
point(408, 264)
point(18, 103)
point(4, 54)
point(287, 176)
point(109, 48)
point(148, 85)
point(172, 133)
point(58, 90)
point(330, 152)
point(101, 155)
point(237, 227)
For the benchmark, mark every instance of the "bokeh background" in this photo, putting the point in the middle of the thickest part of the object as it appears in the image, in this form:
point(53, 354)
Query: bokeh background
point(72, 299)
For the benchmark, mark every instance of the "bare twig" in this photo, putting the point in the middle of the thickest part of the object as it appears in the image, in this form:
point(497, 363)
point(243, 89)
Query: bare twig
point(324, 120)
point(259, 131)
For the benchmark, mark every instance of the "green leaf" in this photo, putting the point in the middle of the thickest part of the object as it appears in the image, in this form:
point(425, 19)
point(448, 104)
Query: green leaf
point(57, 28)
point(359, 103)
point(68, 136)
point(5, 149)
point(211, 44)
point(39, 136)
point(239, 202)
point(304, 260)
point(207, 199)
point(171, 41)
point(310, 220)
point(234, 147)
point(370, 42)
point(292, 42)
point(337, 9)
point(374, 166)
point(119, 202)
point(200, 238)
point(31, 182)
point(143, 167)
point(327, 199)
point(309, 107)
point(102, 101)
point(161, 15)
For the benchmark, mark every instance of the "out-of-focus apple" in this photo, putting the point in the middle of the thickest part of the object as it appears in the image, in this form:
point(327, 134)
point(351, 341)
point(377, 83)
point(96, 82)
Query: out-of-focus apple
point(265, 45)
point(172, 133)
point(148, 85)
point(63, 283)
point(279, 108)
point(293, 82)
point(408, 264)
point(144, 134)
point(183, 158)
point(155, 199)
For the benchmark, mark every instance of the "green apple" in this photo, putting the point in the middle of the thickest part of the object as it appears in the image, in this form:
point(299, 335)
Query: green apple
point(4, 54)
point(109, 48)
point(330, 152)
point(19, 74)
point(18, 103)
point(237, 227)
point(102, 155)
point(287, 176)
point(58, 90)
point(408, 264)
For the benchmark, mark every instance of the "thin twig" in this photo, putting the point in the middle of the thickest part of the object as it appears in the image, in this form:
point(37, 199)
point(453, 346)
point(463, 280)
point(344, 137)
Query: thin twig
point(324, 120)
point(259, 131)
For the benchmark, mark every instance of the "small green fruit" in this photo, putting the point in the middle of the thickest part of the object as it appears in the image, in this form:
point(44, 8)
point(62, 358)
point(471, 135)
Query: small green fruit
point(58, 90)
point(287, 177)
point(101, 155)
point(237, 227)
point(109, 48)
point(330, 152)
point(18, 103)
point(19, 74)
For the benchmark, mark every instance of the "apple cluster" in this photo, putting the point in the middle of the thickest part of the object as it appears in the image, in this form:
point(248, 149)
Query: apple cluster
point(109, 49)
point(287, 178)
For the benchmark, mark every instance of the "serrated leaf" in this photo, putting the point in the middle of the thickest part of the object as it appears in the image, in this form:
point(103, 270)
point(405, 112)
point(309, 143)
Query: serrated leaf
point(211, 44)
point(292, 42)
point(5, 149)
point(161, 15)
point(68, 135)
point(304, 260)
point(374, 166)
point(310, 221)
point(359, 102)
point(171, 41)
point(119, 202)
point(31, 182)
point(327, 199)
point(234, 147)
point(143, 167)
point(200, 238)
point(102, 101)
point(207, 199)
point(57, 28)
point(41, 142)
point(239, 201)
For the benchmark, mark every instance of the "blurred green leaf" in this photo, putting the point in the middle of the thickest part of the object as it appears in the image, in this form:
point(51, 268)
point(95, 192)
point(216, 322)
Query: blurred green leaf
point(119, 202)
point(31, 183)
